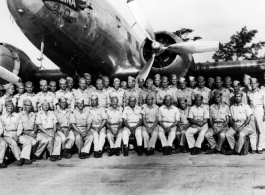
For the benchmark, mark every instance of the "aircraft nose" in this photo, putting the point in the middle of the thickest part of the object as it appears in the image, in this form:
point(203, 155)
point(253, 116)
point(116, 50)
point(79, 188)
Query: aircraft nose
point(24, 8)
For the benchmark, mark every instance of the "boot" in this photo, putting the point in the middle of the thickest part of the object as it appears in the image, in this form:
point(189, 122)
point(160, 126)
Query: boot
point(126, 151)
point(140, 153)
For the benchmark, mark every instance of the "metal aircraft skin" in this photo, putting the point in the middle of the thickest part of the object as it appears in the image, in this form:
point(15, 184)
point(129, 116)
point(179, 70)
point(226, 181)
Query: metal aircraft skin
point(94, 38)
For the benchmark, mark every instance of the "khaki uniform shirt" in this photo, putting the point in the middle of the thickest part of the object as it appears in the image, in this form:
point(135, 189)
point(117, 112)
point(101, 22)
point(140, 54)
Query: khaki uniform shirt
point(3, 106)
point(239, 113)
point(205, 92)
point(49, 97)
point(67, 95)
point(10, 125)
point(132, 92)
point(103, 99)
point(31, 97)
point(132, 116)
point(150, 113)
point(17, 98)
point(199, 113)
point(186, 93)
point(28, 121)
point(97, 116)
point(174, 87)
point(168, 115)
point(160, 95)
point(63, 117)
point(256, 99)
point(144, 93)
point(226, 95)
point(119, 94)
point(219, 114)
point(91, 88)
point(114, 117)
point(183, 115)
point(80, 118)
point(233, 99)
point(46, 121)
point(83, 94)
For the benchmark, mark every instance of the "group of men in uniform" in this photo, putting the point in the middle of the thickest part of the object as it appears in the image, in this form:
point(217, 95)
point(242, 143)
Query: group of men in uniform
point(133, 111)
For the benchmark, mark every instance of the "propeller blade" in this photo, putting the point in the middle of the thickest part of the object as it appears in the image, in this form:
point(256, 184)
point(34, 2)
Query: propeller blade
point(140, 18)
point(146, 69)
point(194, 47)
point(9, 76)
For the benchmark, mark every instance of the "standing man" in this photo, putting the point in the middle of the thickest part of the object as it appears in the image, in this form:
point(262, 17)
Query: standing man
point(20, 91)
point(53, 87)
point(64, 127)
point(117, 92)
point(131, 91)
point(228, 84)
point(45, 95)
point(141, 83)
point(236, 88)
point(114, 126)
point(28, 95)
point(184, 124)
point(147, 91)
point(150, 113)
point(240, 118)
point(192, 82)
point(219, 119)
point(256, 99)
point(160, 96)
point(88, 82)
point(97, 119)
point(132, 121)
point(66, 94)
point(102, 94)
point(12, 131)
point(47, 123)
point(203, 91)
point(183, 92)
point(124, 85)
point(82, 92)
point(80, 125)
point(70, 84)
point(157, 79)
point(198, 117)
point(9, 91)
point(246, 82)
point(168, 120)
point(174, 82)
point(106, 83)
point(225, 92)
point(210, 83)
point(38, 141)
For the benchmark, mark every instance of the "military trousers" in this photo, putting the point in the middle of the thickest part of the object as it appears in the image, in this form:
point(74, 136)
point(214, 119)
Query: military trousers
point(67, 141)
point(126, 135)
point(180, 135)
point(26, 147)
point(191, 131)
point(209, 135)
point(3, 147)
point(150, 138)
point(114, 140)
point(84, 143)
point(167, 141)
point(54, 143)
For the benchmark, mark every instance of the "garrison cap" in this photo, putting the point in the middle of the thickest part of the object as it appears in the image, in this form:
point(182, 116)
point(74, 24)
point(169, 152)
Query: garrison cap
point(131, 79)
point(182, 79)
point(174, 76)
point(69, 80)
point(247, 76)
point(227, 79)
point(87, 75)
point(236, 82)
point(105, 78)
point(7, 86)
point(123, 83)
point(20, 84)
point(217, 78)
point(191, 78)
point(140, 79)
point(182, 99)
point(28, 83)
point(157, 76)
point(164, 78)
point(210, 79)
point(200, 79)
point(45, 102)
point(94, 97)
point(9, 101)
point(52, 83)
point(132, 98)
point(62, 98)
point(148, 96)
point(82, 79)
point(149, 80)
point(27, 101)
point(199, 95)
point(43, 82)
point(113, 98)
point(254, 80)
point(80, 100)
point(239, 92)
point(116, 80)
point(62, 81)
point(217, 93)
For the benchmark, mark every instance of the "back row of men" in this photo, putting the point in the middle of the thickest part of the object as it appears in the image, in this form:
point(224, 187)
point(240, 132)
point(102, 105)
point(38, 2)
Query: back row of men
point(58, 120)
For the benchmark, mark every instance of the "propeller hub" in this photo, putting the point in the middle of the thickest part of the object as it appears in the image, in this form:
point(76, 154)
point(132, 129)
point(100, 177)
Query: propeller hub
point(156, 47)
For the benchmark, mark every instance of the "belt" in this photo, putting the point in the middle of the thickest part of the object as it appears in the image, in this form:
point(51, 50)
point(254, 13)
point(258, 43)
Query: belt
point(254, 107)
point(150, 122)
point(29, 130)
point(11, 130)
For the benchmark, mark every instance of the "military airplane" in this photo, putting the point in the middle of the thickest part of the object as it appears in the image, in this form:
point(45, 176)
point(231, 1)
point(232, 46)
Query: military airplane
point(91, 36)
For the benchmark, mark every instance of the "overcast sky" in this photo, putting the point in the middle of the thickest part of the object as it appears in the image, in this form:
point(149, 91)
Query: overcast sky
point(213, 20)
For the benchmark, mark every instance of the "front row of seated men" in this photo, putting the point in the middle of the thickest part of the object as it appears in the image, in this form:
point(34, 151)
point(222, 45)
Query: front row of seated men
point(59, 130)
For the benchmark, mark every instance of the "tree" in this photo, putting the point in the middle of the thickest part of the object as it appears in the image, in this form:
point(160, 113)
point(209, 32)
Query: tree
point(183, 33)
point(239, 47)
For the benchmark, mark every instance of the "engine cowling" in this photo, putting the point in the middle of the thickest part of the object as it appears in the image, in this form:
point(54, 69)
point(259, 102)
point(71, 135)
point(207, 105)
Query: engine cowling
point(166, 62)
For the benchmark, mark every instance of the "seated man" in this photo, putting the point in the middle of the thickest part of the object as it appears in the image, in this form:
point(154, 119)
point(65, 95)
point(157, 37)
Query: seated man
point(168, 120)
point(3, 147)
point(114, 126)
point(198, 117)
point(219, 119)
point(47, 123)
point(12, 128)
point(240, 118)
point(64, 127)
point(132, 120)
point(97, 120)
point(38, 140)
point(150, 124)
point(79, 122)
point(183, 124)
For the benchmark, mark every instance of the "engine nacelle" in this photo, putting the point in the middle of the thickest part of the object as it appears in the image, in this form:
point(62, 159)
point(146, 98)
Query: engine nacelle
point(166, 62)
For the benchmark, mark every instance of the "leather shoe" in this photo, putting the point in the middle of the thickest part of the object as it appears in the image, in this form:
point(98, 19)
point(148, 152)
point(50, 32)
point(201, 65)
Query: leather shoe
point(212, 151)
point(198, 150)
point(147, 153)
point(126, 151)
point(178, 150)
point(27, 162)
point(253, 152)
point(82, 156)
point(193, 151)
point(152, 151)
point(3, 165)
point(169, 149)
point(53, 158)
point(231, 152)
point(20, 162)
point(117, 151)
point(260, 151)
point(139, 151)
point(112, 152)
point(165, 151)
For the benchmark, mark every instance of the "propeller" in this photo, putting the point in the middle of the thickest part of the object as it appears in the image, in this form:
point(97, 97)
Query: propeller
point(9, 76)
point(184, 47)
